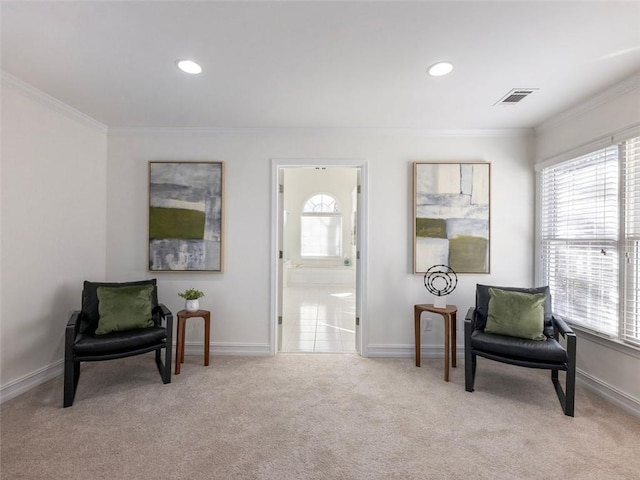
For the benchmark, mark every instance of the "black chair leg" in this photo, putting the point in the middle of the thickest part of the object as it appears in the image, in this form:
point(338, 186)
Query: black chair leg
point(76, 377)
point(567, 397)
point(71, 366)
point(166, 375)
point(71, 376)
point(469, 357)
point(167, 351)
point(164, 369)
point(570, 394)
point(571, 375)
point(167, 364)
point(469, 371)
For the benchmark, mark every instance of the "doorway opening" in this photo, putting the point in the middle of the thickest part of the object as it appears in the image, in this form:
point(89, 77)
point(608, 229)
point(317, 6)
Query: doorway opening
point(319, 237)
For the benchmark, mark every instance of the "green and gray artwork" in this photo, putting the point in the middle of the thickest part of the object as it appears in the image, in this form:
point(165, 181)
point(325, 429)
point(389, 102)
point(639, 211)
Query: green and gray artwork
point(452, 216)
point(185, 216)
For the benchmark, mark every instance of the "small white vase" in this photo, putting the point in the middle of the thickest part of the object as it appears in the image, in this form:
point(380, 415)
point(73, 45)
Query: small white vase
point(192, 305)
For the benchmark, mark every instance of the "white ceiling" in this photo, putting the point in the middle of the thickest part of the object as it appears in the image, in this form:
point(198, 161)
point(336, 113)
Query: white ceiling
point(319, 64)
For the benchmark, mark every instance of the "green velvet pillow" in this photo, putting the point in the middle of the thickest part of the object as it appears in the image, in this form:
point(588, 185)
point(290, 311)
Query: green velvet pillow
point(124, 308)
point(516, 314)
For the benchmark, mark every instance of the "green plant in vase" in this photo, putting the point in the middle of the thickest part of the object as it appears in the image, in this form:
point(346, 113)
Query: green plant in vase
point(191, 296)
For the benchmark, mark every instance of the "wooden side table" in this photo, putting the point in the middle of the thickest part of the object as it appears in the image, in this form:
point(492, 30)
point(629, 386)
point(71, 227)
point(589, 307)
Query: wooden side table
point(182, 323)
point(449, 315)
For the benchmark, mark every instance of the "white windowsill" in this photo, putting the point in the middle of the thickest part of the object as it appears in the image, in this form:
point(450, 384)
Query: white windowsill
point(611, 343)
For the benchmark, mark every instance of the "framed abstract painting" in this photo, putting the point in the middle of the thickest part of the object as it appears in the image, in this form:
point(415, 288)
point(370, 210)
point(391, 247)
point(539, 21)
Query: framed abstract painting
point(186, 211)
point(451, 216)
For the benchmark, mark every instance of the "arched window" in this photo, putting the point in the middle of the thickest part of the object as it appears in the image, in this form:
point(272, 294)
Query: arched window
point(321, 227)
point(321, 203)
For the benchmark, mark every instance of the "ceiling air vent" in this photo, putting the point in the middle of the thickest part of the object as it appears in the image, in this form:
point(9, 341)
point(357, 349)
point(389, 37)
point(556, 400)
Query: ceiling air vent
point(515, 96)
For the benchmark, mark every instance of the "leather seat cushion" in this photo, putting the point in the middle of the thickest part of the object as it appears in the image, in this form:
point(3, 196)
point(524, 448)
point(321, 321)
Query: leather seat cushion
point(88, 344)
point(548, 351)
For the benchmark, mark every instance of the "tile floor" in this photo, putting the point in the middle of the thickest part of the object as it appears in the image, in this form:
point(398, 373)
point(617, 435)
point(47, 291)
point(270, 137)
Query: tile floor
point(319, 319)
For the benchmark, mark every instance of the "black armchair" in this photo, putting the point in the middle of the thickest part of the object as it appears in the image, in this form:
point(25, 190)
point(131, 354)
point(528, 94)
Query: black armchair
point(548, 353)
point(87, 340)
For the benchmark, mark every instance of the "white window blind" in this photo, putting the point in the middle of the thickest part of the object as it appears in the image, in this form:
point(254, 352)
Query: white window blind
point(579, 230)
point(630, 153)
point(321, 227)
point(321, 235)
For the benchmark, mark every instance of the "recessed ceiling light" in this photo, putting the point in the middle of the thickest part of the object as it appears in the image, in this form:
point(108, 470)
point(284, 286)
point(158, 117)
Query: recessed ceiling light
point(439, 69)
point(189, 66)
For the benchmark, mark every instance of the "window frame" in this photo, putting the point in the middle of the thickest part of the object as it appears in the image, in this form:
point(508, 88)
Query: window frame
point(336, 213)
point(617, 342)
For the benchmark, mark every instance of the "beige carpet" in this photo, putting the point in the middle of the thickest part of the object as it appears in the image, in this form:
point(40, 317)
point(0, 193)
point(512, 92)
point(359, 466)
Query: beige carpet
point(304, 416)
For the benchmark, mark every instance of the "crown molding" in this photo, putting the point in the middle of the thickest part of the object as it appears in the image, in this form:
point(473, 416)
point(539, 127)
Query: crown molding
point(301, 131)
point(51, 102)
point(71, 112)
point(621, 88)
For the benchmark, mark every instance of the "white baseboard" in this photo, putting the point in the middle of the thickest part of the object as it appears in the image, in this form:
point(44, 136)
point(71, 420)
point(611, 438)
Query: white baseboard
point(224, 348)
point(609, 392)
point(408, 351)
point(27, 382)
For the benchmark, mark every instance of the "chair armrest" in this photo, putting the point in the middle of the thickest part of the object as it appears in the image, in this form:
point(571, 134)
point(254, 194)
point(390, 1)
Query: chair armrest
point(73, 325)
point(165, 314)
point(561, 326)
point(71, 331)
point(471, 318)
point(163, 310)
point(469, 326)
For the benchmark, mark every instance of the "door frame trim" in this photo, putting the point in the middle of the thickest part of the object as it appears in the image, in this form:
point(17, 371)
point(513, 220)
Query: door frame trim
point(363, 236)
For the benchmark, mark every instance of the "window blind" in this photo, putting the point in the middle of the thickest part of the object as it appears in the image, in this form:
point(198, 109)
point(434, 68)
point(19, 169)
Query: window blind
point(630, 153)
point(580, 217)
point(321, 235)
point(321, 227)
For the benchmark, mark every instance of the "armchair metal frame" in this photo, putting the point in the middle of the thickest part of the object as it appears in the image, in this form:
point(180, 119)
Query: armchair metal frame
point(72, 361)
point(560, 327)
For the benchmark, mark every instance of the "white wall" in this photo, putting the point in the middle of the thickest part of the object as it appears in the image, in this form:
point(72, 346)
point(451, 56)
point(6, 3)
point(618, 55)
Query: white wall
point(239, 297)
point(53, 228)
point(611, 369)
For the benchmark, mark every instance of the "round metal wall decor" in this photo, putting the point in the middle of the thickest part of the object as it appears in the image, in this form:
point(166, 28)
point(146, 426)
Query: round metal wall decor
point(440, 280)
